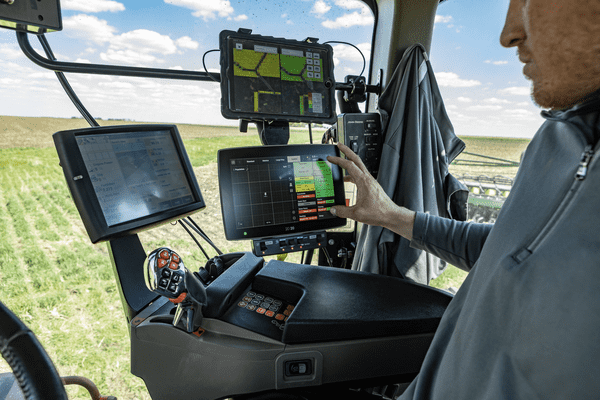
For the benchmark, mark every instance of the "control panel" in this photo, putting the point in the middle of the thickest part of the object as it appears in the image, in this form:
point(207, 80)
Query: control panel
point(362, 133)
point(288, 244)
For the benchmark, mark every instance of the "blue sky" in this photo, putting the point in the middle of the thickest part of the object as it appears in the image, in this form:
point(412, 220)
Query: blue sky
point(482, 84)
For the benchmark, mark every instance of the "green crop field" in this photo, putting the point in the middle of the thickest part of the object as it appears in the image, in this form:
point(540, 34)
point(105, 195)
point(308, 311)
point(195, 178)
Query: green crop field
point(62, 286)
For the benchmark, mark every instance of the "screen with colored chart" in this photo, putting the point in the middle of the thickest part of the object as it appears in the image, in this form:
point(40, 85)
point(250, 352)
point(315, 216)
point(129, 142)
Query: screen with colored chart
point(283, 190)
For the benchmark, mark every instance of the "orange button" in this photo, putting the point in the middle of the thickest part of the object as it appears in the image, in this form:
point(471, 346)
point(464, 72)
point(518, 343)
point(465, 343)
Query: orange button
point(173, 265)
point(269, 313)
point(175, 257)
point(280, 317)
point(179, 299)
point(260, 310)
point(290, 307)
point(164, 254)
point(287, 312)
point(242, 304)
point(162, 262)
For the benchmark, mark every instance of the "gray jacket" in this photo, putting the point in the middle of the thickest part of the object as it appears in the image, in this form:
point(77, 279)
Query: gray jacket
point(419, 145)
point(526, 321)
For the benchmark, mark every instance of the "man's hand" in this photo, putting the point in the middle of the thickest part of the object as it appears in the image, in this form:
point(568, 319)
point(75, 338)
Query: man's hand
point(373, 206)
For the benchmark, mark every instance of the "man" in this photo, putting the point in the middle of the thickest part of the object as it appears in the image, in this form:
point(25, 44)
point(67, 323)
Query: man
point(525, 323)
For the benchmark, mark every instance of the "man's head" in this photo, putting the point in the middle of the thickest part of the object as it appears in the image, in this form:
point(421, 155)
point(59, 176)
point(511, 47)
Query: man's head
point(559, 42)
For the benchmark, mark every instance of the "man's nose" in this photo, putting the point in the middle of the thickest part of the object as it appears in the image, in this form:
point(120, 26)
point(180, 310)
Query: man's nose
point(514, 30)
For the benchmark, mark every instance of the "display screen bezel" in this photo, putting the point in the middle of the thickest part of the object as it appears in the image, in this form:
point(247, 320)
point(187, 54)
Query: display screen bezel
point(225, 156)
point(228, 79)
point(84, 194)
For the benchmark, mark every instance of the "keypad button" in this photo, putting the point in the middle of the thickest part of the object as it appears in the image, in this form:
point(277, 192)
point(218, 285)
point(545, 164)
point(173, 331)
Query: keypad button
point(256, 302)
point(165, 273)
point(269, 313)
point(280, 317)
point(176, 278)
point(250, 294)
point(163, 283)
point(242, 304)
point(276, 302)
point(286, 312)
point(251, 307)
point(260, 310)
point(247, 298)
point(274, 308)
point(268, 300)
point(173, 288)
point(265, 304)
point(260, 296)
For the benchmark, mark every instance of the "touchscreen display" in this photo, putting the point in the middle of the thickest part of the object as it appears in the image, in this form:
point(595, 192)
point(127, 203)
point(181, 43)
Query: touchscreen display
point(274, 194)
point(134, 174)
point(277, 78)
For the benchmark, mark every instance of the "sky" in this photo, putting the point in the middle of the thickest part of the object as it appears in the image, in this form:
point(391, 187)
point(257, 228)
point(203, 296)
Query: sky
point(482, 84)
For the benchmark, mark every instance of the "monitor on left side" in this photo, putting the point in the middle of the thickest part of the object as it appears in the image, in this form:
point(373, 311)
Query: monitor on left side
point(128, 178)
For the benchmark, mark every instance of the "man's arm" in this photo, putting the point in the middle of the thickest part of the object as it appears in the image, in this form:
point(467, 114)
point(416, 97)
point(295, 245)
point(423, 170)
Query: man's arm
point(458, 243)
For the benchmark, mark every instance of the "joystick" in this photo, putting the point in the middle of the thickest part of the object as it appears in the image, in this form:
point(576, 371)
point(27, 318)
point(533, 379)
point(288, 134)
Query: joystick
point(166, 275)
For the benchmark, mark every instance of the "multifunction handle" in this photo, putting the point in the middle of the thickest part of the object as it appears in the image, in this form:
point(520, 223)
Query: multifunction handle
point(166, 275)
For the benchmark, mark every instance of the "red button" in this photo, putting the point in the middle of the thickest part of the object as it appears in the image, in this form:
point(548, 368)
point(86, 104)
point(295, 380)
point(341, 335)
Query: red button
point(161, 262)
point(280, 317)
point(173, 265)
point(175, 257)
point(287, 312)
point(260, 310)
point(164, 254)
point(269, 313)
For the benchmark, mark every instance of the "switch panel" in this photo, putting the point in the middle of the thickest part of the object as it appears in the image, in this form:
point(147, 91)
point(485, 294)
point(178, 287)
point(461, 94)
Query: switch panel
point(288, 244)
point(362, 133)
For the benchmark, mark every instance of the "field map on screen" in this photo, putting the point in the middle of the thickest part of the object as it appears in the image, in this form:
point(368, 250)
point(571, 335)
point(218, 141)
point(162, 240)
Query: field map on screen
point(281, 190)
point(278, 79)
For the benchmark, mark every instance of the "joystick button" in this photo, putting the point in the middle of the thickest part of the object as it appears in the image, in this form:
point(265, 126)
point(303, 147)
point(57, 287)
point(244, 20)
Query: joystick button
point(175, 257)
point(161, 262)
point(173, 288)
point(164, 254)
point(173, 265)
point(165, 273)
point(163, 283)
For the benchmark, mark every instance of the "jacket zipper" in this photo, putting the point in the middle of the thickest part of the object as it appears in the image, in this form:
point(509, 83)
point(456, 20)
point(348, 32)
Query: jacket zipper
point(580, 175)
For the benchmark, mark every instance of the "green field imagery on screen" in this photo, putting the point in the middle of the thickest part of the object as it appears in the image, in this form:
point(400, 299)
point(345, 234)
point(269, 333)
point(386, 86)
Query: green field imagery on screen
point(270, 80)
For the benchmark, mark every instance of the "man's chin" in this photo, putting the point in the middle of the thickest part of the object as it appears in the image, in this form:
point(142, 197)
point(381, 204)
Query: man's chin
point(555, 98)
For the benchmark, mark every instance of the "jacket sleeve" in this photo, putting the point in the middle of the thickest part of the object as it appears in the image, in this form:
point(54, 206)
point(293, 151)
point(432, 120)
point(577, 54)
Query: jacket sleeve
point(456, 242)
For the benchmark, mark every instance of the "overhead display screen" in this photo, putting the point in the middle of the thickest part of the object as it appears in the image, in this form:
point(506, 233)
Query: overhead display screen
point(276, 79)
point(275, 193)
point(135, 174)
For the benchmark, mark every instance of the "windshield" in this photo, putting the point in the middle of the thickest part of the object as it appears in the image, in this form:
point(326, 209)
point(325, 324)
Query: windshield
point(167, 34)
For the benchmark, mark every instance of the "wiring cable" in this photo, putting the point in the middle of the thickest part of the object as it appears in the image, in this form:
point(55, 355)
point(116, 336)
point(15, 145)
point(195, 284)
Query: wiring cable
point(194, 238)
point(204, 64)
point(192, 224)
point(361, 53)
point(65, 84)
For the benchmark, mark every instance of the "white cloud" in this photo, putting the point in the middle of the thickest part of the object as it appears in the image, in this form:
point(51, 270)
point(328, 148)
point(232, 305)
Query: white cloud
point(516, 91)
point(494, 100)
point(523, 104)
point(484, 108)
point(92, 5)
point(320, 8)
point(144, 41)
point(205, 9)
point(241, 17)
point(284, 15)
point(186, 42)
point(90, 27)
point(10, 52)
point(464, 99)
point(350, 4)
point(444, 19)
point(496, 62)
point(128, 57)
point(345, 52)
point(362, 18)
point(450, 79)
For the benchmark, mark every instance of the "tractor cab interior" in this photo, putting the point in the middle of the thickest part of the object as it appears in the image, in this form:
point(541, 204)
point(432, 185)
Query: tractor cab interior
point(243, 326)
